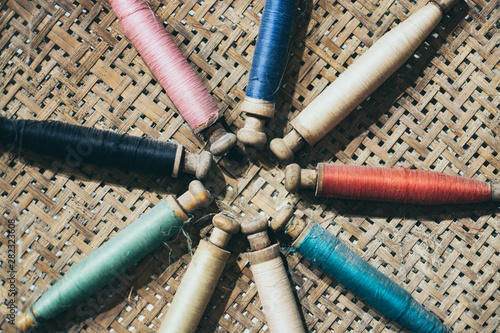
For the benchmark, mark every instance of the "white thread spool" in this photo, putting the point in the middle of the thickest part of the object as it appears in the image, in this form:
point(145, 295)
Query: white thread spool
point(359, 80)
point(276, 295)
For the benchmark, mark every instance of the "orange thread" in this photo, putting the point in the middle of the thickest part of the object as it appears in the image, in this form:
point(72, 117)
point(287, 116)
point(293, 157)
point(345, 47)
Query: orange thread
point(400, 185)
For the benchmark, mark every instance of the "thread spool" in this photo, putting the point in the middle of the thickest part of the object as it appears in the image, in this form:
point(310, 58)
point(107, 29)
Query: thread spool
point(170, 67)
point(269, 274)
point(78, 144)
point(343, 264)
point(359, 80)
point(200, 279)
point(389, 184)
point(127, 247)
point(268, 65)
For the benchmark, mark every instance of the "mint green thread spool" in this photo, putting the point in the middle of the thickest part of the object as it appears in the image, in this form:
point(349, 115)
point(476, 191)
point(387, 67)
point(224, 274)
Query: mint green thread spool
point(111, 259)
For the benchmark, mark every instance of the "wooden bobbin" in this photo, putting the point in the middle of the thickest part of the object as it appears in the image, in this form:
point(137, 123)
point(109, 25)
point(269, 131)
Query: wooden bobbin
point(256, 232)
point(196, 164)
point(257, 111)
point(296, 178)
point(270, 276)
point(26, 321)
point(196, 196)
point(220, 139)
point(225, 225)
point(282, 222)
point(284, 148)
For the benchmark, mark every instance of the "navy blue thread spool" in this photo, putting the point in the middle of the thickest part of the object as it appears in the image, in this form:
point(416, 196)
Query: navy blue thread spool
point(336, 259)
point(77, 144)
point(268, 65)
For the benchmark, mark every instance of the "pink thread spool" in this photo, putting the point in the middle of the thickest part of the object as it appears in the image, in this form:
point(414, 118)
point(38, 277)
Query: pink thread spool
point(170, 67)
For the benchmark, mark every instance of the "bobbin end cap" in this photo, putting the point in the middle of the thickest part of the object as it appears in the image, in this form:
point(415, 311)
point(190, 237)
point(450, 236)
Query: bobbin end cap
point(200, 193)
point(254, 226)
point(223, 144)
point(226, 223)
point(282, 218)
point(292, 177)
point(252, 137)
point(25, 322)
point(281, 150)
point(204, 165)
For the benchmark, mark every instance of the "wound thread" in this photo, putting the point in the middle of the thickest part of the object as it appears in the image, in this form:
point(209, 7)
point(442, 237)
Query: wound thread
point(76, 144)
point(109, 260)
point(398, 185)
point(196, 289)
point(270, 55)
point(159, 51)
point(377, 290)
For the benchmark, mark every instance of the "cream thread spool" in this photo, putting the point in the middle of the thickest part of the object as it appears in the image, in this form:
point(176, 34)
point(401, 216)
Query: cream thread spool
point(276, 296)
point(200, 279)
point(359, 80)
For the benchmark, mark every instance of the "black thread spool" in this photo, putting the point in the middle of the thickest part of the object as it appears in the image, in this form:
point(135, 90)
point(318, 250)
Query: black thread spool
point(76, 144)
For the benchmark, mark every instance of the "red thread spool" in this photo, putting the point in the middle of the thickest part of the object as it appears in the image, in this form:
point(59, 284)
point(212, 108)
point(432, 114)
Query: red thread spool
point(398, 185)
point(389, 184)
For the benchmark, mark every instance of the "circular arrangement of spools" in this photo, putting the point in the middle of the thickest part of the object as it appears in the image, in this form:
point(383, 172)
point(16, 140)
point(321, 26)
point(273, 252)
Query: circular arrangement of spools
point(358, 246)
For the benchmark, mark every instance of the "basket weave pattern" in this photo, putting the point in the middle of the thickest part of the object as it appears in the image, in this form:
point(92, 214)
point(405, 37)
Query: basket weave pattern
point(70, 61)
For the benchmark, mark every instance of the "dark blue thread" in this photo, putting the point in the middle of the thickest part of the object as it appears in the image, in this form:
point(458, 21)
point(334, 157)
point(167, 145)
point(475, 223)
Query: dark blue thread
point(77, 144)
point(270, 55)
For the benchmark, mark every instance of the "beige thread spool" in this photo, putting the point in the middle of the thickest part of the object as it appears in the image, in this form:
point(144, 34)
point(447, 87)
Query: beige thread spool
point(276, 296)
point(359, 80)
point(200, 279)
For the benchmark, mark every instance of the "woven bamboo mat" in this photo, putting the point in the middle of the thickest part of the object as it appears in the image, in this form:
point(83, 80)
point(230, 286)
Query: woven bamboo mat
point(70, 61)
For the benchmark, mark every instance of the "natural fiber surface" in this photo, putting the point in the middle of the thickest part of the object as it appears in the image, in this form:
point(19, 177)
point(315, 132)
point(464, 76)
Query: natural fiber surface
point(70, 61)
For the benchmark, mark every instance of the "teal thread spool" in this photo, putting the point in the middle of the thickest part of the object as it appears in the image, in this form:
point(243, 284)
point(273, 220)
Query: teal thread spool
point(336, 259)
point(130, 245)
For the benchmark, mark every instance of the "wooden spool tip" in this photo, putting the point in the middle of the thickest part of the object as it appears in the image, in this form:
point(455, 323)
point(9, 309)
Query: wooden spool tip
point(256, 232)
point(204, 165)
point(252, 137)
point(223, 143)
point(226, 222)
point(292, 177)
point(252, 132)
point(225, 225)
point(197, 196)
point(200, 194)
point(25, 322)
point(495, 192)
point(198, 164)
point(254, 226)
point(282, 151)
point(296, 178)
point(281, 218)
